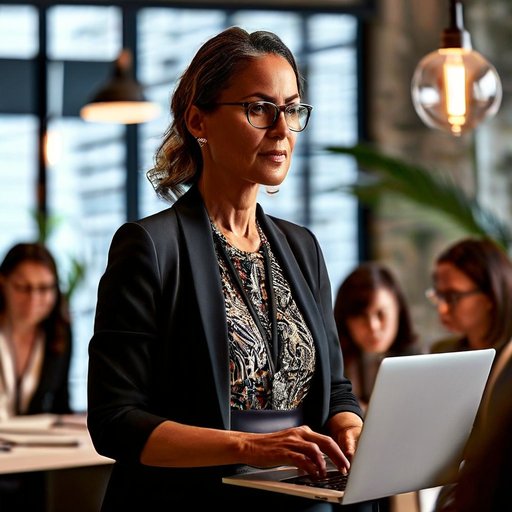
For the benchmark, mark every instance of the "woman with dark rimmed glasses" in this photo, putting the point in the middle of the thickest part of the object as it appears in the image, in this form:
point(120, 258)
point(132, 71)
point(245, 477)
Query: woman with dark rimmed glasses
point(35, 355)
point(215, 347)
point(472, 291)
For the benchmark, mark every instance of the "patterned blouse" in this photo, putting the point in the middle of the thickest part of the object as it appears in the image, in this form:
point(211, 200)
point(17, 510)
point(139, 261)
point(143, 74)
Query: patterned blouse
point(254, 385)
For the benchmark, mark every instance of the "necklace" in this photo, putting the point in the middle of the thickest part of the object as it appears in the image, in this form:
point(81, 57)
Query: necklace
point(271, 342)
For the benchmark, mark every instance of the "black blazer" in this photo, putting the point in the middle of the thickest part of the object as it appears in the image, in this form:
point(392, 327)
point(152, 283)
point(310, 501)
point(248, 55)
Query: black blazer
point(484, 480)
point(160, 344)
point(52, 392)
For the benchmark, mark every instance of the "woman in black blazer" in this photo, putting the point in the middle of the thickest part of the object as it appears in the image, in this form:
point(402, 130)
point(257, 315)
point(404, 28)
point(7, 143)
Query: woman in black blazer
point(214, 320)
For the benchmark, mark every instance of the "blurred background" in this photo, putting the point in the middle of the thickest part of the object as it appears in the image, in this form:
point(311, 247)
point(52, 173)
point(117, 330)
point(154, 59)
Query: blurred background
point(71, 183)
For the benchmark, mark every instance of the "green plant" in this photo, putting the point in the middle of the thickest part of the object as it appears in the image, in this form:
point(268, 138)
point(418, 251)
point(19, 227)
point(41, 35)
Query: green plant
point(46, 225)
point(437, 191)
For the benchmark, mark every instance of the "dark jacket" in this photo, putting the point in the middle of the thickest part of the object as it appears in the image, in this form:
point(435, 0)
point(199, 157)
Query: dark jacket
point(52, 392)
point(26, 490)
point(160, 344)
point(485, 478)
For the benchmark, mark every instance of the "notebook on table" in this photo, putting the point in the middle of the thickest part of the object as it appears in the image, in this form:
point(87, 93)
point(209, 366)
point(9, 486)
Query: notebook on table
point(418, 420)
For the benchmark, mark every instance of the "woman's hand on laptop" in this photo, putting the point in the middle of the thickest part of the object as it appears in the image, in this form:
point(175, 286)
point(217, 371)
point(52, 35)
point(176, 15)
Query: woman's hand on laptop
point(298, 446)
point(345, 428)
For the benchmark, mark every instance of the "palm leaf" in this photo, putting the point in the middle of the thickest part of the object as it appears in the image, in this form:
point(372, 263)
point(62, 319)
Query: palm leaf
point(75, 276)
point(46, 226)
point(433, 190)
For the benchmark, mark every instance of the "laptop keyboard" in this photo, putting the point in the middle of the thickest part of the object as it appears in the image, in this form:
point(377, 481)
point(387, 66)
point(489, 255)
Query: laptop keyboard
point(334, 480)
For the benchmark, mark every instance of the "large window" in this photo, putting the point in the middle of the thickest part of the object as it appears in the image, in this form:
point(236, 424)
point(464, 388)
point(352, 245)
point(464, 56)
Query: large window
point(18, 124)
point(89, 166)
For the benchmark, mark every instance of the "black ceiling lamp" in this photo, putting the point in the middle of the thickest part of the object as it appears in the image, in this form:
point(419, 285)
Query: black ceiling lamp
point(121, 100)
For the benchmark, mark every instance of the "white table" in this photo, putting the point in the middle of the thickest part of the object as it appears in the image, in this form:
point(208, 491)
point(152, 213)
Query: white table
point(76, 476)
point(37, 458)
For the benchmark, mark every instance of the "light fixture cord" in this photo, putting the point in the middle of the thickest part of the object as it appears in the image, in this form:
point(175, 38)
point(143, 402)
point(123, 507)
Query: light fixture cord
point(455, 35)
point(124, 60)
point(456, 15)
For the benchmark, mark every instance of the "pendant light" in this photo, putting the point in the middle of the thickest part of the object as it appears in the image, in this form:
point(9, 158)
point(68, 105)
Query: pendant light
point(121, 100)
point(455, 88)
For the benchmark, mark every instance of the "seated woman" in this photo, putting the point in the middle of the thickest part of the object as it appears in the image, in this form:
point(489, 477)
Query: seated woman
point(373, 322)
point(35, 353)
point(472, 291)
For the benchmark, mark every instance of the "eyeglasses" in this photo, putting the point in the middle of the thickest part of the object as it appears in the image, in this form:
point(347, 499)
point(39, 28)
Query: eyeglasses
point(450, 297)
point(28, 289)
point(264, 114)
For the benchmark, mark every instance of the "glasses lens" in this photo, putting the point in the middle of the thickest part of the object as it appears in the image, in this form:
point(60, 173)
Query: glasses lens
point(437, 298)
point(449, 297)
point(262, 114)
point(28, 289)
point(297, 117)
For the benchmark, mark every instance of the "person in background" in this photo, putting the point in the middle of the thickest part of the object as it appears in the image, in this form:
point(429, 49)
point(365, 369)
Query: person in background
point(483, 483)
point(35, 334)
point(214, 320)
point(373, 322)
point(35, 355)
point(472, 291)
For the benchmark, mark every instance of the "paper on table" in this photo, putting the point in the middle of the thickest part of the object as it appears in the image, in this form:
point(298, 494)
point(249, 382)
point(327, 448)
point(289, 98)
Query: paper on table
point(39, 440)
point(75, 420)
point(33, 423)
point(34, 430)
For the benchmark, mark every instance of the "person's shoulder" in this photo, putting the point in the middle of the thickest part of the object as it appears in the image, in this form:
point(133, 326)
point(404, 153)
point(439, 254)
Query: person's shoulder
point(156, 219)
point(451, 344)
point(412, 349)
point(300, 239)
point(149, 231)
point(163, 218)
point(292, 229)
point(283, 223)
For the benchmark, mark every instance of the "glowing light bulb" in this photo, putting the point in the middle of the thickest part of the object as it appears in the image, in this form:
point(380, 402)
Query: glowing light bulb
point(455, 91)
point(455, 88)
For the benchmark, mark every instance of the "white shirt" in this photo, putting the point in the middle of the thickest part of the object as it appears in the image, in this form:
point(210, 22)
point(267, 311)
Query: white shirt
point(29, 379)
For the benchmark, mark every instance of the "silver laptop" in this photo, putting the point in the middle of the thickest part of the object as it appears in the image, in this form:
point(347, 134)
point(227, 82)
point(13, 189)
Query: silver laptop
point(420, 415)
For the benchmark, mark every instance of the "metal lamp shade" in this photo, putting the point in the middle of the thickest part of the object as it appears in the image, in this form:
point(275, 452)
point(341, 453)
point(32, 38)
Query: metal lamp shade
point(121, 100)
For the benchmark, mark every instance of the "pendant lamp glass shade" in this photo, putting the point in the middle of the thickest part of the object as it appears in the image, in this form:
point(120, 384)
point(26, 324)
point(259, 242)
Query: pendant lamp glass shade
point(455, 88)
point(122, 99)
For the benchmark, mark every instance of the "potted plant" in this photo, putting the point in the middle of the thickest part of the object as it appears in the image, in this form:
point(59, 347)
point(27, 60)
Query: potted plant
point(381, 174)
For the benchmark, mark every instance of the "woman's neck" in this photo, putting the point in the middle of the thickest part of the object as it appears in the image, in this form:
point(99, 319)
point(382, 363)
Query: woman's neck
point(246, 238)
point(235, 218)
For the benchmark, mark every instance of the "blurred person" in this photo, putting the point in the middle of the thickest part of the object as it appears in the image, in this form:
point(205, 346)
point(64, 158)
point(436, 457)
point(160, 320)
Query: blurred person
point(214, 319)
point(35, 334)
point(472, 291)
point(484, 481)
point(373, 321)
point(35, 354)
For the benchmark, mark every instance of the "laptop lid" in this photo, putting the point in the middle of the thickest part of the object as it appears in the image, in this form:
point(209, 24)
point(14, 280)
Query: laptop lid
point(420, 415)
